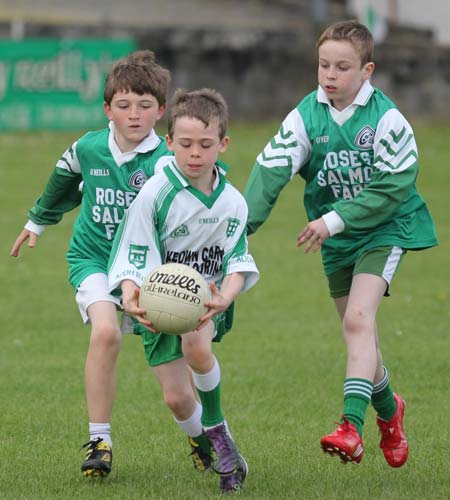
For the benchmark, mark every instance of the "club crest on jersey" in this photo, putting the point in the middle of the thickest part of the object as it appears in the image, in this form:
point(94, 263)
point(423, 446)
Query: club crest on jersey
point(233, 224)
point(180, 231)
point(137, 179)
point(365, 137)
point(137, 255)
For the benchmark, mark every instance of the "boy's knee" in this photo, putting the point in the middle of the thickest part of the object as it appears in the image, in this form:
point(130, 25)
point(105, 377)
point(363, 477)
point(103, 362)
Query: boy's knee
point(107, 336)
point(198, 357)
point(356, 321)
point(179, 402)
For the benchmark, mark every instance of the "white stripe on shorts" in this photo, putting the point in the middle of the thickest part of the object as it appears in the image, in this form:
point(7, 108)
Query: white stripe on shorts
point(392, 264)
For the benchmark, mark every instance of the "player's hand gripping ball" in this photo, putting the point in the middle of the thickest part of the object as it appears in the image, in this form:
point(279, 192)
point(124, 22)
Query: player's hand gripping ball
point(173, 296)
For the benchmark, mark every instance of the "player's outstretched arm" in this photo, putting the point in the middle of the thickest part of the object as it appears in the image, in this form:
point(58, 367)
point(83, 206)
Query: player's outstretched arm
point(130, 303)
point(23, 236)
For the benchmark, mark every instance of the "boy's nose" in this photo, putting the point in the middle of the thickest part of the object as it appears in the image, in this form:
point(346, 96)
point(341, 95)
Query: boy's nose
point(134, 113)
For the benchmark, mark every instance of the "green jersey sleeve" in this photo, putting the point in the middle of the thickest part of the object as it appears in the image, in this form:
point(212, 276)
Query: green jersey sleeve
point(394, 174)
point(62, 192)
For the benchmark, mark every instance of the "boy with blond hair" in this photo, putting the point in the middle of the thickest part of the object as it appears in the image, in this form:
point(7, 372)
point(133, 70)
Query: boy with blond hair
point(358, 156)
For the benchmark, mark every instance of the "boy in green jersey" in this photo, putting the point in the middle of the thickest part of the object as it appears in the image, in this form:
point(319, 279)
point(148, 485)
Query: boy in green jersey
point(358, 157)
point(104, 170)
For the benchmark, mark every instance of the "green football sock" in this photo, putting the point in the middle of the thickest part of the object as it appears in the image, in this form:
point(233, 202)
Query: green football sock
point(383, 399)
point(212, 410)
point(357, 393)
point(203, 442)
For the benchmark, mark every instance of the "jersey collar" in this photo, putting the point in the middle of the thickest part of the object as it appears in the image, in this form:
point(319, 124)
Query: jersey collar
point(149, 143)
point(361, 99)
point(179, 181)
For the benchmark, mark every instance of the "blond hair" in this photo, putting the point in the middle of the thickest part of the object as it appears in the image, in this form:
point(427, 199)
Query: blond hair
point(354, 32)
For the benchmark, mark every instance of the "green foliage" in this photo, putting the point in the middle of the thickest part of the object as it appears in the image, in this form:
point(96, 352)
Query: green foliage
point(282, 365)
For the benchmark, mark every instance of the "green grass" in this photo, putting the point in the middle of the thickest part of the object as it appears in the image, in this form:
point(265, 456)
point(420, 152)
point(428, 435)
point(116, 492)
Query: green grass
point(282, 365)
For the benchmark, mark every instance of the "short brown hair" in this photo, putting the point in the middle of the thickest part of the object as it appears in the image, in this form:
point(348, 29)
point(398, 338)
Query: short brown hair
point(137, 72)
point(356, 33)
point(204, 104)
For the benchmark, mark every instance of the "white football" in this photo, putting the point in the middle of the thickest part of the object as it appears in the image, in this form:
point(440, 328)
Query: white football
point(173, 296)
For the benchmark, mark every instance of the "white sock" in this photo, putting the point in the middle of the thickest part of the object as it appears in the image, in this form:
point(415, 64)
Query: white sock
point(193, 425)
point(207, 381)
point(103, 431)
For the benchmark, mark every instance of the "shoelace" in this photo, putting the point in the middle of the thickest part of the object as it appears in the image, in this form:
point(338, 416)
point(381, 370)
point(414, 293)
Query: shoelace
point(223, 443)
point(92, 444)
point(343, 426)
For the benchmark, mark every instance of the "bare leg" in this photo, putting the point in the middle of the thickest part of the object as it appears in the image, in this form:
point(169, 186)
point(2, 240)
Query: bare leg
point(197, 349)
point(100, 368)
point(175, 379)
point(180, 395)
point(358, 313)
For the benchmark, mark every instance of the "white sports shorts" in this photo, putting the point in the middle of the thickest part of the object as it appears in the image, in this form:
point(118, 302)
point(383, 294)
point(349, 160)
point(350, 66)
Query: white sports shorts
point(93, 289)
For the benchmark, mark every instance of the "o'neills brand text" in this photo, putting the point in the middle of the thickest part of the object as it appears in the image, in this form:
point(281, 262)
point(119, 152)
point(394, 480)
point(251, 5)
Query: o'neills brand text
point(175, 279)
point(172, 292)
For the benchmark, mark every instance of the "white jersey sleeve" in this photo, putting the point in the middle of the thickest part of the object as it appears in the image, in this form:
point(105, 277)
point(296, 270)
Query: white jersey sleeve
point(69, 160)
point(282, 158)
point(136, 250)
point(238, 259)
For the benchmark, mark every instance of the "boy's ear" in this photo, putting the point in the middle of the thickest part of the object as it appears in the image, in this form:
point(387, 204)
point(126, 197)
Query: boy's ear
point(107, 109)
point(161, 111)
point(368, 70)
point(169, 143)
point(224, 144)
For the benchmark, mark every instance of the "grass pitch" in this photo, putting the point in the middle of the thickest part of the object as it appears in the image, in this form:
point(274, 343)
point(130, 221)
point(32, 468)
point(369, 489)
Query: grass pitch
point(283, 363)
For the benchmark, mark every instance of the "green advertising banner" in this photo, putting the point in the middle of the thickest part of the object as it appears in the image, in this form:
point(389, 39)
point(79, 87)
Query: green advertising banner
point(54, 83)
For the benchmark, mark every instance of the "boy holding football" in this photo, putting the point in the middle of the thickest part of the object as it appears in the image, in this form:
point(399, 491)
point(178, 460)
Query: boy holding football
point(166, 221)
point(358, 156)
point(104, 170)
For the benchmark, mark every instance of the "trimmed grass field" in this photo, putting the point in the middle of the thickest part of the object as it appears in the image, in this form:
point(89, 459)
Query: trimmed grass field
point(282, 365)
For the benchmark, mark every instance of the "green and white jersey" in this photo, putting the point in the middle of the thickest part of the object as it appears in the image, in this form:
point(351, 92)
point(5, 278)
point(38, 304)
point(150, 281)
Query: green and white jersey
point(172, 221)
point(95, 173)
point(360, 167)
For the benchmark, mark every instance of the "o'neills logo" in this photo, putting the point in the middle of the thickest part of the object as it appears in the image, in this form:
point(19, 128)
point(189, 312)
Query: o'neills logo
point(175, 279)
point(172, 292)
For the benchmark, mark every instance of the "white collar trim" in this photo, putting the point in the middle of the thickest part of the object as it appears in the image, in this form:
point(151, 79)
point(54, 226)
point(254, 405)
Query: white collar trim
point(149, 143)
point(178, 173)
point(361, 99)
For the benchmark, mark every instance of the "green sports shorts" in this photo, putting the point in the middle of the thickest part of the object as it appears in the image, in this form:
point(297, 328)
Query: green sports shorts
point(381, 261)
point(160, 348)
